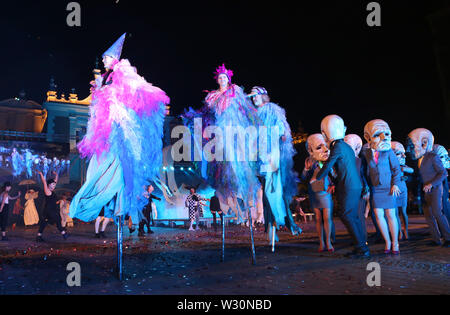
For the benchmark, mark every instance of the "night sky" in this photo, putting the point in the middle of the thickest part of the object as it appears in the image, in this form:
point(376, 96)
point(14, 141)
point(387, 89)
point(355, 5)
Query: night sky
point(314, 59)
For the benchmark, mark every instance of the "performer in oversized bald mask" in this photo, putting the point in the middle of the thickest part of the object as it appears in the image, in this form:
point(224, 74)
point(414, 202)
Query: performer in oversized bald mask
point(443, 156)
point(402, 199)
point(384, 177)
point(355, 142)
point(320, 191)
point(348, 182)
point(432, 173)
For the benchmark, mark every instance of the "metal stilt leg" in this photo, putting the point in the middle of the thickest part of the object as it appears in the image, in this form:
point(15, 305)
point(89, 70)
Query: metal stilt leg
point(273, 238)
point(223, 239)
point(251, 236)
point(119, 248)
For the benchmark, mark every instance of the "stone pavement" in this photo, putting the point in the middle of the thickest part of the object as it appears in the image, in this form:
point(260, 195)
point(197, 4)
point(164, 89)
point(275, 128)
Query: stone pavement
point(178, 261)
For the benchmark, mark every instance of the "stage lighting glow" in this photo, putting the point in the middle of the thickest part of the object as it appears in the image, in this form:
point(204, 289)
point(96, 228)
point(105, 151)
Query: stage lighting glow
point(182, 168)
point(172, 168)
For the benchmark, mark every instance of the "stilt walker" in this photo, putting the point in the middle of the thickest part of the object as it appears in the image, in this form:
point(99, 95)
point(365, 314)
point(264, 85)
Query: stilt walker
point(229, 109)
point(124, 144)
point(278, 178)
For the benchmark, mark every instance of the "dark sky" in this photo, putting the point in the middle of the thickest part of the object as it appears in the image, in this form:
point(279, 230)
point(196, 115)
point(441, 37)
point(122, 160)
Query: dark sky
point(314, 58)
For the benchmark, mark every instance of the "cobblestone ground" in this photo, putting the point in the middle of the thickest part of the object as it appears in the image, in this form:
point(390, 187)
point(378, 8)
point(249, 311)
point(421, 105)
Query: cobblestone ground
point(177, 261)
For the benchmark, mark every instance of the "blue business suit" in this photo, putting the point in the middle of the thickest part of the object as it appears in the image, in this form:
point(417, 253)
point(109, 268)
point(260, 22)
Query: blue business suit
point(432, 172)
point(381, 177)
point(348, 188)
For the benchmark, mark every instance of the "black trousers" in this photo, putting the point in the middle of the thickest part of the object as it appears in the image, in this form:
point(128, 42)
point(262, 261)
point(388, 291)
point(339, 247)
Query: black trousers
point(214, 213)
point(4, 217)
point(362, 218)
point(349, 214)
point(148, 216)
point(51, 219)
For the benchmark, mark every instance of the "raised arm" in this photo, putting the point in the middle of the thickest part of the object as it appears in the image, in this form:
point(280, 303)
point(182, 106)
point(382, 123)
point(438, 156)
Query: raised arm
point(56, 177)
point(308, 170)
point(44, 182)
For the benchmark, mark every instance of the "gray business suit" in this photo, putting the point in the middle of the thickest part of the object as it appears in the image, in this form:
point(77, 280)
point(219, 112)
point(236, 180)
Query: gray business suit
point(433, 172)
point(381, 177)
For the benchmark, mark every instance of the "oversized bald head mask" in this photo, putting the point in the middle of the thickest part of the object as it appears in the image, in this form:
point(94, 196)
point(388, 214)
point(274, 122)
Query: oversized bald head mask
point(333, 128)
point(317, 147)
point(378, 134)
point(399, 151)
point(355, 142)
point(420, 141)
point(443, 154)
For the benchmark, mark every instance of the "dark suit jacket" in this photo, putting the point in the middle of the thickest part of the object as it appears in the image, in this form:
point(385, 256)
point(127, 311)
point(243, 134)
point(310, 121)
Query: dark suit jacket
point(384, 174)
point(362, 175)
point(432, 170)
point(343, 159)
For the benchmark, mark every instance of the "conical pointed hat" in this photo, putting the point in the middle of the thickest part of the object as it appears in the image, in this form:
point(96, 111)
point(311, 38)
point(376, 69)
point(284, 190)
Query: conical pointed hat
point(116, 49)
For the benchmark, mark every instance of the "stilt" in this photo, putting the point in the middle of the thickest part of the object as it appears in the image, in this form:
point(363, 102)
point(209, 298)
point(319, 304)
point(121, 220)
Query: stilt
point(223, 237)
point(119, 247)
point(273, 238)
point(251, 235)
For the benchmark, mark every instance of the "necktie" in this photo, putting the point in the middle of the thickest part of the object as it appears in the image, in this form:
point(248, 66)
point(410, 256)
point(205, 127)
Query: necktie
point(420, 162)
point(376, 156)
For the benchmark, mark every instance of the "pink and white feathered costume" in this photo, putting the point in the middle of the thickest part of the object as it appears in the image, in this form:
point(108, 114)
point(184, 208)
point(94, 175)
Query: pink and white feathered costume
point(123, 142)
